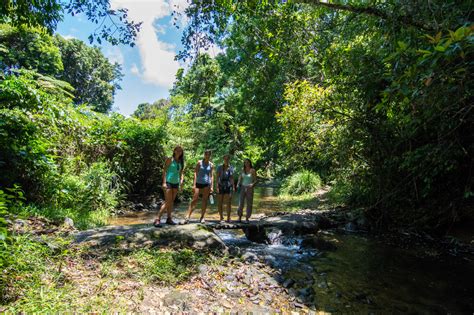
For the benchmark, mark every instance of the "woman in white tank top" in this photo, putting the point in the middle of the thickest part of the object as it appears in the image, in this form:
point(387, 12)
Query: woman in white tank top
point(247, 180)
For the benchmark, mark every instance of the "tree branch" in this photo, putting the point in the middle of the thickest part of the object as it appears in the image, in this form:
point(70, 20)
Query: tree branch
point(404, 20)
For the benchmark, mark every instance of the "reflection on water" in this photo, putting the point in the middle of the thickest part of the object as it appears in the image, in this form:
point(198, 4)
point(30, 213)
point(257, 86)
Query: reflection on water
point(265, 201)
point(369, 276)
point(366, 276)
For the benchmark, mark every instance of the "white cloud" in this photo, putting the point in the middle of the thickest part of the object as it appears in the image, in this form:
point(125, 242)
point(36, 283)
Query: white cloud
point(134, 69)
point(214, 50)
point(157, 57)
point(69, 36)
point(114, 55)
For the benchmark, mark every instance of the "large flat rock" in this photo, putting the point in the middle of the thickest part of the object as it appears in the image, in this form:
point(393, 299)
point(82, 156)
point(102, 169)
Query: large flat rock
point(197, 236)
point(299, 223)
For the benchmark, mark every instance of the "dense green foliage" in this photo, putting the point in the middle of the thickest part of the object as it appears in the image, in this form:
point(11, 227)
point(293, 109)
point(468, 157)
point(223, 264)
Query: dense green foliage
point(72, 161)
point(68, 159)
point(374, 96)
point(93, 77)
point(23, 47)
point(371, 97)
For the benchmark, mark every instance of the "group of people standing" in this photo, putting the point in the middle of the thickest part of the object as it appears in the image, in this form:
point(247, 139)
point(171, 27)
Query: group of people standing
point(203, 184)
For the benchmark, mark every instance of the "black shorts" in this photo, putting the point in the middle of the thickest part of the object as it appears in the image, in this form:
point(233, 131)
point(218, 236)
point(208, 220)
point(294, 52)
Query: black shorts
point(223, 190)
point(172, 186)
point(200, 186)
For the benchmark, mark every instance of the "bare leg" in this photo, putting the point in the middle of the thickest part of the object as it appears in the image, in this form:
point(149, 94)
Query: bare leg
point(162, 209)
point(227, 201)
point(205, 196)
point(174, 192)
point(243, 191)
point(249, 198)
point(166, 204)
point(193, 202)
point(220, 201)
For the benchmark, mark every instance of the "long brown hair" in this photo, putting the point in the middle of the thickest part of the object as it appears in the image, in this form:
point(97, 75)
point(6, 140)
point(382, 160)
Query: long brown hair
point(250, 162)
point(181, 158)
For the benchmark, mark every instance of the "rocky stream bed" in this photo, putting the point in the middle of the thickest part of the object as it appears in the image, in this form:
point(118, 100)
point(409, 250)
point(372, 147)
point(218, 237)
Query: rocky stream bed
point(311, 261)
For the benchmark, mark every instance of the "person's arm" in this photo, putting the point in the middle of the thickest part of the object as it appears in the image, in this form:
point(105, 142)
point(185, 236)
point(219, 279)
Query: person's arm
point(233, 180)
point(196, 170)
point(239, 180)
point(218, 174)
point(212, 177)
point(165, 169)
point(181, 178)
point(254, 177)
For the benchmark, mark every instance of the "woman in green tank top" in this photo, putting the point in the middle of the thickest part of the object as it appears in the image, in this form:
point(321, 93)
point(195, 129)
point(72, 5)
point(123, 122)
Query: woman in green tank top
point(172, 181)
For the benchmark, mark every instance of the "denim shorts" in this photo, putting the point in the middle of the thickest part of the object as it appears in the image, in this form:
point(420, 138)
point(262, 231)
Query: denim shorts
point(172, 186)
point(200, 186)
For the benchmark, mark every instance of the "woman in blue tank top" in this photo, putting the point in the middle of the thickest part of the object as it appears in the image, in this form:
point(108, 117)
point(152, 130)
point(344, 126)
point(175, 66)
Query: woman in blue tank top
point(203, 184)
point(172, 180)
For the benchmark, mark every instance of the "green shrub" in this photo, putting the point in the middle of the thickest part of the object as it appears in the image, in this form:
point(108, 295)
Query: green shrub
point(72, 161)
point(32, 280)
point(166, 267)
point(301, 183)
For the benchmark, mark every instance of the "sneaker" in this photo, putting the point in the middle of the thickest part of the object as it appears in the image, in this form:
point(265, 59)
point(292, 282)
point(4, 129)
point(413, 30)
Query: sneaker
point(186, 221)
point(170, 222)
point(157, 223)
point(202, 220)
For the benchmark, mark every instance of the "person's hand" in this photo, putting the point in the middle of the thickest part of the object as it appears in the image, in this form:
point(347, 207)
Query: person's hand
point(212, 190)
point(164, 186)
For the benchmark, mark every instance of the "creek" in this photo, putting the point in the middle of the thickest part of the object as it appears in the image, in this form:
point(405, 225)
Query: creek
point(357, 273)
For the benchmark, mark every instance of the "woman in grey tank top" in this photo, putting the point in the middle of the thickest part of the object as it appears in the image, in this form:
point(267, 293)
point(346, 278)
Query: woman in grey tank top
point(203, 184)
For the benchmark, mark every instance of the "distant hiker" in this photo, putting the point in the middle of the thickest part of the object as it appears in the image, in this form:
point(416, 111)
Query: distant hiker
point(225, 187)
point(203, 184)
point(172, 181)
point(246, 182)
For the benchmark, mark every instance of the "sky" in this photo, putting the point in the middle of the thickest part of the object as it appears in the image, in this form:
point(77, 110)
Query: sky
point(149, 67)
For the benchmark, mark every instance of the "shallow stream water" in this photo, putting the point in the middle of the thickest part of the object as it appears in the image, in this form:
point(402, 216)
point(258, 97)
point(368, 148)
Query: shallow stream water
point(362, 275)
point(265, 202)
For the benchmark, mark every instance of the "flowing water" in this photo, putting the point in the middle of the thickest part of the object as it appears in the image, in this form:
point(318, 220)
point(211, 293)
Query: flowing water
point(362, 275)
